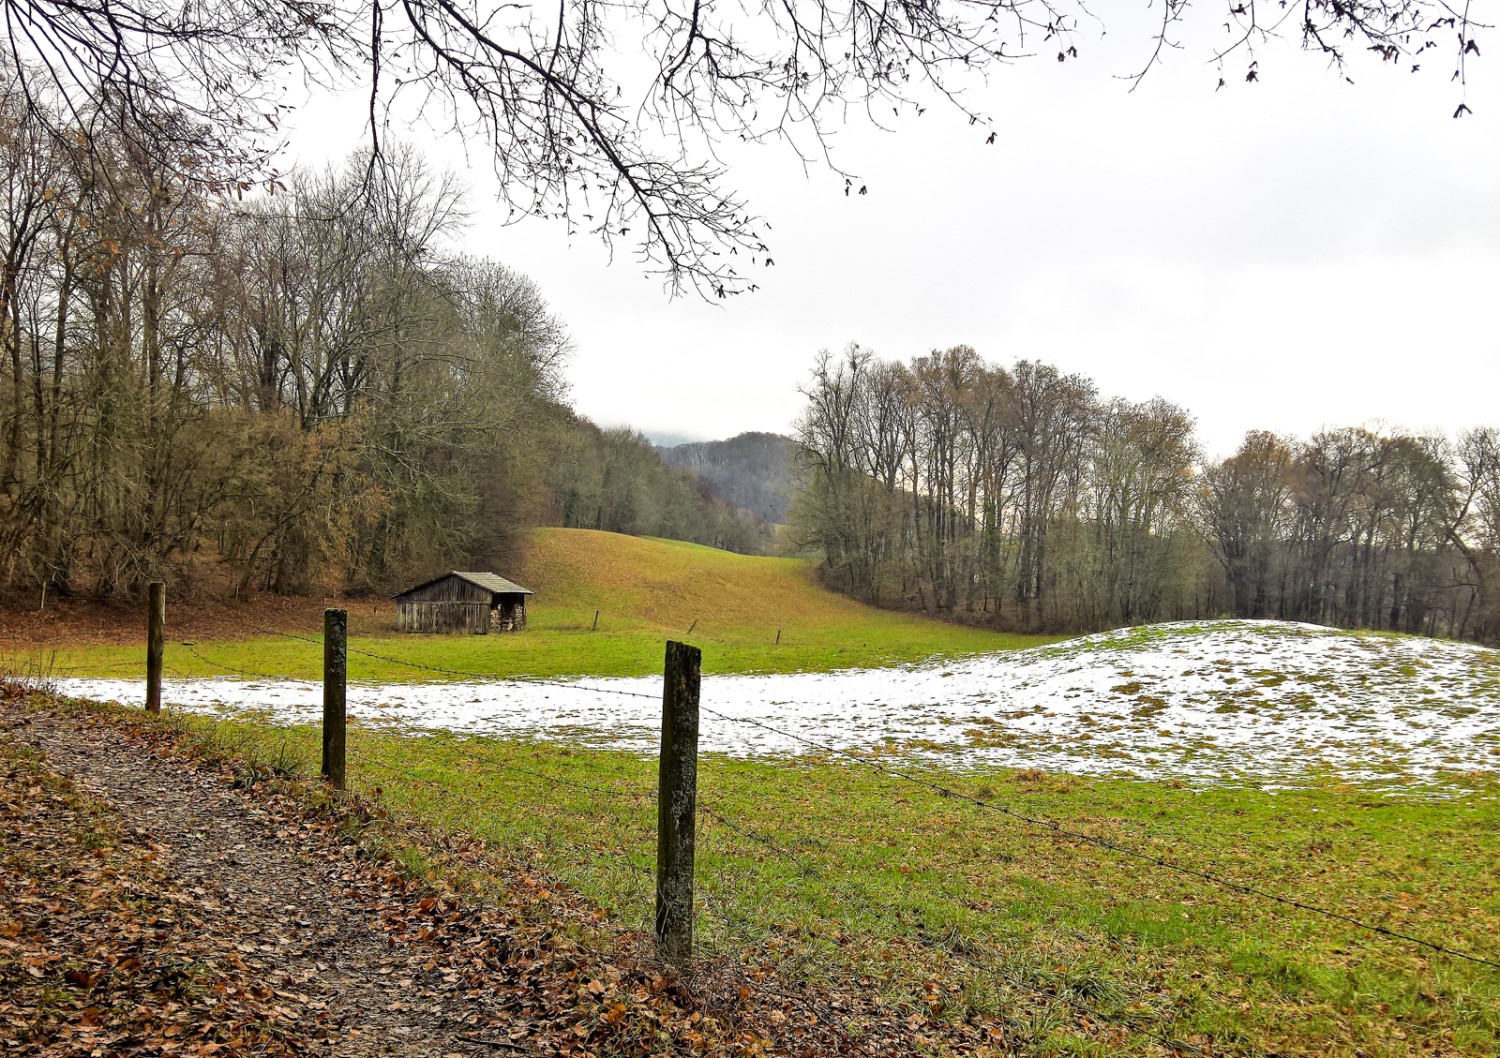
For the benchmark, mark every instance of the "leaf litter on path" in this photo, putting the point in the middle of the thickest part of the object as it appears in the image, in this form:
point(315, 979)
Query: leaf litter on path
point(149, 906)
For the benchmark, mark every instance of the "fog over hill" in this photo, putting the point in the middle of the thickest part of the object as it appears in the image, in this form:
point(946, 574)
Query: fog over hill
point(660, 439)
point(755, 471)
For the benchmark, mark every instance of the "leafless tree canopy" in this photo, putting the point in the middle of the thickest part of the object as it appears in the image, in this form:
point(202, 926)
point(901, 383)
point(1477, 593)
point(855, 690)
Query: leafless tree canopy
point(281, 393)
point(606, 112)
point(1016, 496)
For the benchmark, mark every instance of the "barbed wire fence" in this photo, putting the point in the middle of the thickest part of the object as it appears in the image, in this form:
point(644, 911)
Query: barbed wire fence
point(1061, 832)
point(469, 674)
point(847, 889)
point(873, 907)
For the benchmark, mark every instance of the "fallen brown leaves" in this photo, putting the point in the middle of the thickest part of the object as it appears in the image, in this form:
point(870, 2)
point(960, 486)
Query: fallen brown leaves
point(547, 972)
point(99, 953)
point(72, 621)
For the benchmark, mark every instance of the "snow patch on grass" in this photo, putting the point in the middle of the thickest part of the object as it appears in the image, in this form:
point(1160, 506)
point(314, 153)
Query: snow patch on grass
point(1252, 702)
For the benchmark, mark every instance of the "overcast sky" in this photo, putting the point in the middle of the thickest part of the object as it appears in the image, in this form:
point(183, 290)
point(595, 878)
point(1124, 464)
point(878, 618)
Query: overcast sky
point(1284, 255)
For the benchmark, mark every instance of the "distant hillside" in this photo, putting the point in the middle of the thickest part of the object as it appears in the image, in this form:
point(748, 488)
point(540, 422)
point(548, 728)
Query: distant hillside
point(754, 471)
point(751, 613)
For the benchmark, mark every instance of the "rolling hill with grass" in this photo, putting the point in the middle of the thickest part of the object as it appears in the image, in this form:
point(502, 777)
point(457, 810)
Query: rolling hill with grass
point(747, 613)
point(668, 586)
point(1228, 838)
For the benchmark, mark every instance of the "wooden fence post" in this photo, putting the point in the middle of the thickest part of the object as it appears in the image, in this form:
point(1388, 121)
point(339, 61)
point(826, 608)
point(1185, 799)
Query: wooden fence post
point(335, 674)
point(156, 640)
point(676, 803)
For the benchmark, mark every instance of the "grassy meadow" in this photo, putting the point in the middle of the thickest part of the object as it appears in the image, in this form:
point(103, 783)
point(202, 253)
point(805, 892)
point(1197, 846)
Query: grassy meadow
point(644, 590)
point(951, 915)
point(982, 933)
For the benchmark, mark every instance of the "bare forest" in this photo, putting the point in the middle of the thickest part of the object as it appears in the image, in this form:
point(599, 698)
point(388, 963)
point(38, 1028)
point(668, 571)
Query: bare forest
point(291, 391)
point(1021, 496)
point(753, 471)
point(307, 388)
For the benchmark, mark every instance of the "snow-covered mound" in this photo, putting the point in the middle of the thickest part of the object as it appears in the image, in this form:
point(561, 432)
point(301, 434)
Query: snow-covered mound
point(1223, 701)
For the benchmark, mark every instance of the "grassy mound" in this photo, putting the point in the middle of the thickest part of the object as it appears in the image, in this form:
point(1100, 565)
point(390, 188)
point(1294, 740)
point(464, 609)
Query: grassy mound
point(667, 586)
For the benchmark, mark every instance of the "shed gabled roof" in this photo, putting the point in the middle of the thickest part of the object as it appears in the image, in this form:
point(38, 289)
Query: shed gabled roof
point(494, 582)
point(488, 581)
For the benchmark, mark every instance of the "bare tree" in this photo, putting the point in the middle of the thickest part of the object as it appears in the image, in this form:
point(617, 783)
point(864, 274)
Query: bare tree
point(1475, 529)
point(1245, 506)
point(577, 127)
point(1018, 497)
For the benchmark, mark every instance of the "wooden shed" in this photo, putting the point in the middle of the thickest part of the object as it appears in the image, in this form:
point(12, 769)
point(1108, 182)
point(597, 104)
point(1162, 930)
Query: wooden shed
point(479, 603)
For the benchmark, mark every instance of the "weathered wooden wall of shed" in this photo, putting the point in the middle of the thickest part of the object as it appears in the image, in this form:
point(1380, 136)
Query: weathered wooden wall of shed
point(449, 589)
point(420, 616)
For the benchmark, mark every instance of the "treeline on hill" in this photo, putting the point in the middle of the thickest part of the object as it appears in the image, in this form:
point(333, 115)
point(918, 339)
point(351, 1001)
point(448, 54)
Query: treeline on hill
point(755, 471)
point(1021, 497)
point(298, 390)
point(616, 480)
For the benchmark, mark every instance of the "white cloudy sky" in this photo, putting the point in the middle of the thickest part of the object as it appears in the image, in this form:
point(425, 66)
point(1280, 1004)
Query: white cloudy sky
point(1285, 255)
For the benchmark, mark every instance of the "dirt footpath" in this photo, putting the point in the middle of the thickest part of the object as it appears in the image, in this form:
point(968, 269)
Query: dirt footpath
point(301, 920)
point(150, 906)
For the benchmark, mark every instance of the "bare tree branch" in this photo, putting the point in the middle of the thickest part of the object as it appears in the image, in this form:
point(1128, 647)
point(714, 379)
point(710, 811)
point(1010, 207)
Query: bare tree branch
point(574, 131)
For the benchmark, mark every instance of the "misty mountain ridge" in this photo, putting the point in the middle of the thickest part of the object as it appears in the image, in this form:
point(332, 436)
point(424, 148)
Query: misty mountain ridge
point(755, 471)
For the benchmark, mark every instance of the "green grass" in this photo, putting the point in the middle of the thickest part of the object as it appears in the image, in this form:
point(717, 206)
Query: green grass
point(646, 591)
point(953, 913)
point(950, 914)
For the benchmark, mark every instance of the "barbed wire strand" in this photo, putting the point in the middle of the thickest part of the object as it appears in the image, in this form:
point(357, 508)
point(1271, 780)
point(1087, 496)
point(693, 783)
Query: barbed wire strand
point(634, 793)
point(1125, 850)
point(741, 829)
point(817, 1009)
point(891, 918)
point(486, 676)
point(617, 855)
point(1014, 979)
point(192, 649)
point(69, 672)
point(749, 832)
point(409, 776)
point(631, 793)
point(1036, 821)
